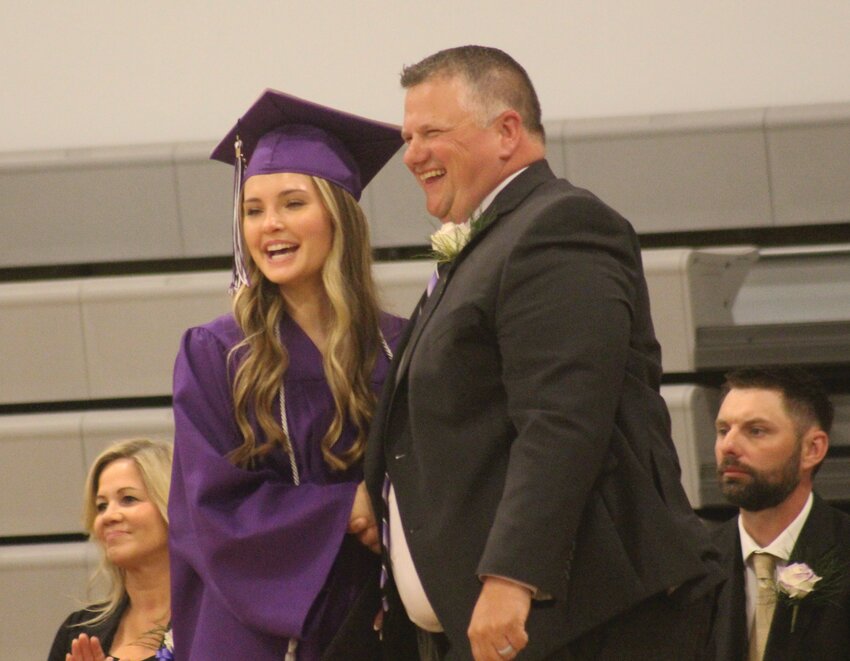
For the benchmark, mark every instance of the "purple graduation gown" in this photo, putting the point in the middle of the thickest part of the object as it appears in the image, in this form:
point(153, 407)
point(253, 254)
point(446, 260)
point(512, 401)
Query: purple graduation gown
point(255, 559)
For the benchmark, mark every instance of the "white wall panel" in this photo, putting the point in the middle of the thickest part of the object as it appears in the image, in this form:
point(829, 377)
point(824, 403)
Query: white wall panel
point(670, 306)
point(666, 173)
point(556, 147)
point(42, 354)
point(689, 289)
point(398, 215)
point(88, 206)
point(44, 471)
point(675, 172)
point(802, 284)
point(205, 200)
point(63, 446)
point(113, 337)
point(809, 148)
point(401, 284)
point(133, 327)
point(102, 428)
point(692, 412)
point(42, 585)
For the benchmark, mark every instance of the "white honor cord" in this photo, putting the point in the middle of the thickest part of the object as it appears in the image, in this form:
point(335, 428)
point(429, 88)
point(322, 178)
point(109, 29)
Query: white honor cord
point(296, 478)
point(290, 651)
point(386, 347)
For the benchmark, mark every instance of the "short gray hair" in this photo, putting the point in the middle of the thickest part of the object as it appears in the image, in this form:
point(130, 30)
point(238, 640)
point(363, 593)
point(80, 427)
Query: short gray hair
point(494, 79)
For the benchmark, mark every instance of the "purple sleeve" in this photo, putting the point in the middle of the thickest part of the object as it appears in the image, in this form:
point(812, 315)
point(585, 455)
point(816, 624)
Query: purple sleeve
point(248, 539)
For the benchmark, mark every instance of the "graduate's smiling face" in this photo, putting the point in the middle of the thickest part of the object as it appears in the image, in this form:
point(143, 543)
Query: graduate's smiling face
point(288, 232)
point(128, 524)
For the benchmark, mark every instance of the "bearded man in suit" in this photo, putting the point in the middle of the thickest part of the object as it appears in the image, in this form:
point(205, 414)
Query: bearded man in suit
point(772, 435)
point(521, 452)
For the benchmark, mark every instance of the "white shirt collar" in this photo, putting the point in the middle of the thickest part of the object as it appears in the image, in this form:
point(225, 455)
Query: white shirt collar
point(487, 201)
point(782, 546)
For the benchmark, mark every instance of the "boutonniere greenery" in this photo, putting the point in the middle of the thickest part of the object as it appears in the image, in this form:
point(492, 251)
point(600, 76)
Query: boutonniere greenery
point(448, 241)
point(818, 584)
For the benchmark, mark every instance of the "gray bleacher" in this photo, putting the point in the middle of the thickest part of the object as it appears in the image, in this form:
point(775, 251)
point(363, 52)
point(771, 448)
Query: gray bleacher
point(85, 339)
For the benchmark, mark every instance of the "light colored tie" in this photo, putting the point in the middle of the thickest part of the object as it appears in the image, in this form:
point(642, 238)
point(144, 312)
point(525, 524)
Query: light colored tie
point(765, 566)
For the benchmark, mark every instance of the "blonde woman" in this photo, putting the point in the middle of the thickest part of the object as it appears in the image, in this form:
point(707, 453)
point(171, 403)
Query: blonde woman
point(125, 512)
point(272, 403)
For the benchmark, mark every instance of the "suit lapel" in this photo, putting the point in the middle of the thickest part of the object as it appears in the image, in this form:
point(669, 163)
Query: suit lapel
point(374, 465)
point(816, 539)
point(506, 201)
point(423, 313)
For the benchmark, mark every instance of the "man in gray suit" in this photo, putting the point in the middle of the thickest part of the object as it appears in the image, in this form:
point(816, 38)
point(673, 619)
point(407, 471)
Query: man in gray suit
point(521, 453)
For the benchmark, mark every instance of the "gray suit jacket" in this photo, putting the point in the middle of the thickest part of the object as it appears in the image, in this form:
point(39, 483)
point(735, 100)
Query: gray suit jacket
point(525, 434)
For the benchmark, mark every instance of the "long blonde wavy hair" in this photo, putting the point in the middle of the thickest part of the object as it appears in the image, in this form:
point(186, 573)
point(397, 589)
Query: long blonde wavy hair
point(153, 460)
point(352, 349)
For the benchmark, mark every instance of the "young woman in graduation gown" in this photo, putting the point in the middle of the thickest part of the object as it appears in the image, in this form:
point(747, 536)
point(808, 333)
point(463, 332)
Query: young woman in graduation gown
point(272, 402)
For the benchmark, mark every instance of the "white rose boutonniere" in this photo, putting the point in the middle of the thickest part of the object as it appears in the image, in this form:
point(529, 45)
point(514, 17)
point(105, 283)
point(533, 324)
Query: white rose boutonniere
point(449, 240)
point(821, 581)
point(796, 580)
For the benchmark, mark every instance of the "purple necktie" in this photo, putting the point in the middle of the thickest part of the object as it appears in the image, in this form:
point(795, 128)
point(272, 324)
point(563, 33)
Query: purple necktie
point(385, 539)
point(432, 282)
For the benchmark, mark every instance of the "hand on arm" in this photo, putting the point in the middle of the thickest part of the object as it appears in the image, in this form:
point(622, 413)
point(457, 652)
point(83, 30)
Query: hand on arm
point(362, 521)
point(498, 620)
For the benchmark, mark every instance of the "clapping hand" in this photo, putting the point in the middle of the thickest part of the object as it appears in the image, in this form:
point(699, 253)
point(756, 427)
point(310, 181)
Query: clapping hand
point(84, 648)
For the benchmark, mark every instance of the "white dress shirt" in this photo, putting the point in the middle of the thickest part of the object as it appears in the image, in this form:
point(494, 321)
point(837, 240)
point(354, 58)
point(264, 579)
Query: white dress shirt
point(780, 547)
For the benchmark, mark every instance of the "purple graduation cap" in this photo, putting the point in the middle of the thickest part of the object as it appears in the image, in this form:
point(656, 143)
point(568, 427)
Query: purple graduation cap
point(282, 133)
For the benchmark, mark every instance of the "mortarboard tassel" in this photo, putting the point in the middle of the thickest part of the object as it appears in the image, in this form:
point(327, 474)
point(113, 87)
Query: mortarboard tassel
point(240, 272)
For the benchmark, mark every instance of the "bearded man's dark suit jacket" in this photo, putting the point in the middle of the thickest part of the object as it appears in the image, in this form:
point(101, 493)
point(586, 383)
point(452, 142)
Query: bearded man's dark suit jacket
point(821, 630)
point(523, 430)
